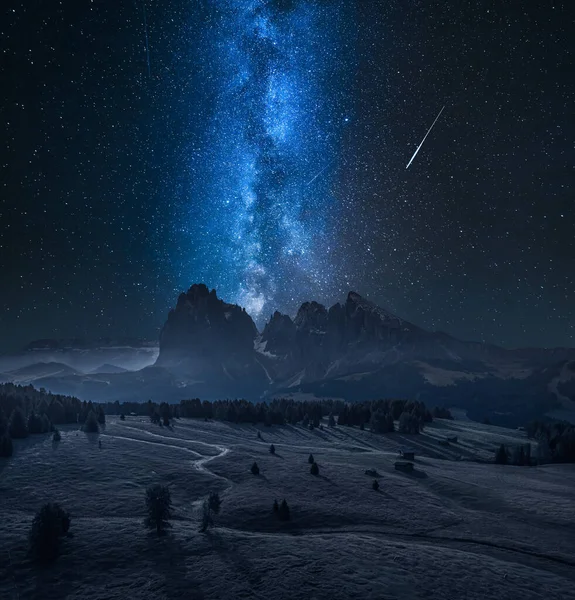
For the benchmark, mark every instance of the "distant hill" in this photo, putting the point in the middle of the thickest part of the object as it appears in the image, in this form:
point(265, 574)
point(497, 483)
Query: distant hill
point(88, 344)
point(38, 371)
point(85, 356)
point(108, 369)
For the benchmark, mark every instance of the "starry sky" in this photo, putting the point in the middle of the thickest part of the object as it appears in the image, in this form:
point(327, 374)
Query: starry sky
point(260, 146)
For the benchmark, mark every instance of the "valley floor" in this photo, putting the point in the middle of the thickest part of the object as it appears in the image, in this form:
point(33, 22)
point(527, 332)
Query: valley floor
point(455, 528)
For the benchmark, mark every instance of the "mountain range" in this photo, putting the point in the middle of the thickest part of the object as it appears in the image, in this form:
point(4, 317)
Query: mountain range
point(211, 349)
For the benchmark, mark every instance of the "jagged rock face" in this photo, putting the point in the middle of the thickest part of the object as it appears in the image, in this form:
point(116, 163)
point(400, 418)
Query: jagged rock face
point(278, 336)
point(311, 317)
point(367, 322)
point(203, 330)
point(319, 340)
point(354, 350)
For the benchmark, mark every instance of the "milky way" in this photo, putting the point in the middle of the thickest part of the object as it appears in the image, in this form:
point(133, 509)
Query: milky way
point(265, 218)
point(260, 147)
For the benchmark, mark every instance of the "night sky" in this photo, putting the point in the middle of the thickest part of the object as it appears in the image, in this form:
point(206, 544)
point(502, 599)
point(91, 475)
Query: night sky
point(260, 146)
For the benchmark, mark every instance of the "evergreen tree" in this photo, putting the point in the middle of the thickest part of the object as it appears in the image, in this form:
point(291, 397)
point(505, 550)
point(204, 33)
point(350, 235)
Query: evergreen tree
point(101, 415)
point(158, 507)
point(410, 423)
point(272, 449)
point(255, 469)
point(165, 413)
point(35, 424)
point(214, 502)
point(501, 457)
point(46, 425)
point(211, 507)
point(6, 447)
point(3, 422)
point(381, 421)
point(49, 525)
point(91, 423)
point(284, 512)
point(375, 485)
point(314, 469)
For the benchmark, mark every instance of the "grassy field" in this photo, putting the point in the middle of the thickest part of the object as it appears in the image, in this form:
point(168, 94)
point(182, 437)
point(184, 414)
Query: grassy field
point(457, 527)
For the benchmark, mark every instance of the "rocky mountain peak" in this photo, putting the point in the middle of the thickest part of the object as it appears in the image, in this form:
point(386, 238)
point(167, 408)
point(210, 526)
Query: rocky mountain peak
point(311, 316)
point(358, 307)
point(203, 324)
point(279, 334)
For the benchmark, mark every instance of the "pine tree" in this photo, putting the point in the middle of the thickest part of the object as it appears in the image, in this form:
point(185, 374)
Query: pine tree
point(3, 422)
point(49, 525)
point(56, 412)
point(375, 485)
point(501, 457)
point(284, 512)
point(35, 424)
point(314, 469)
point(91, 423)
point(46, 425)
point(158, 507)
point(6, 447)
point(211, 507)
point(255, 469)
point(272, 449)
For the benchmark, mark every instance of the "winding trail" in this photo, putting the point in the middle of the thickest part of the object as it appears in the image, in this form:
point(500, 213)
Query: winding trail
point(199, 464)
point(556, 563)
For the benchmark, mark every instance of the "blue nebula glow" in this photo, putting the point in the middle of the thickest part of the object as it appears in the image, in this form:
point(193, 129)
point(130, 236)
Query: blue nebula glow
point(262, 220)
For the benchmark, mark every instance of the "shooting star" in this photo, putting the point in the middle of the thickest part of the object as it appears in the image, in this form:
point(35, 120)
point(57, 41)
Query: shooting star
point(423, 140)
point(318, 174)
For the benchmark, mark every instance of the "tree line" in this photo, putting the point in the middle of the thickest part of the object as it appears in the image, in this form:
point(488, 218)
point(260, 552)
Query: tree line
point(25, 411)
point(378, 415)
point(556, 440)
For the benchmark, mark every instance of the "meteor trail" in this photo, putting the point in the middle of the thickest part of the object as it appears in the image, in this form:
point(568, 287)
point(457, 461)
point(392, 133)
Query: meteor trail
point(318, 174)
point(423, 140)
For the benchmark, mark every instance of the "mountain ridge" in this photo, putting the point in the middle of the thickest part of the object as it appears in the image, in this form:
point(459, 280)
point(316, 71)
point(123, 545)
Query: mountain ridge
point(358, 350)
point(353, 350)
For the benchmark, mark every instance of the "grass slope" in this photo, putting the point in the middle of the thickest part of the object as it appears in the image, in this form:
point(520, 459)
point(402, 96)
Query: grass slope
point(452, 529)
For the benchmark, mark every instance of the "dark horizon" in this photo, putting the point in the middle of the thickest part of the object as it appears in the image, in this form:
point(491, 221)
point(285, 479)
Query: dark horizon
point(260, 326)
